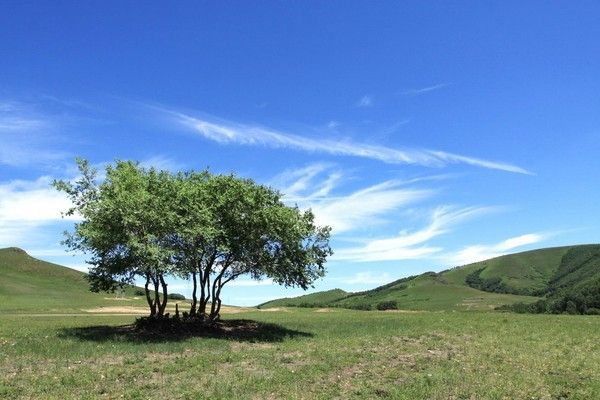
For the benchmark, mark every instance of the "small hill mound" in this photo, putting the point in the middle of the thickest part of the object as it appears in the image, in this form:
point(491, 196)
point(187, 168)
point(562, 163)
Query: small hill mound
point(28, 284)
point(319, 299)
point(526, 273)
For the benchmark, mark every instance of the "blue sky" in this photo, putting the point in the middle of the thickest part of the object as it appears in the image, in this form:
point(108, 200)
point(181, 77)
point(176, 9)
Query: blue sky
point(427, 137)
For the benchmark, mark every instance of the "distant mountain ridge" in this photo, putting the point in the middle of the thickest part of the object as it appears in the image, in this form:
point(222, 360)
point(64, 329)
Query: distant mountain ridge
point(523, 277)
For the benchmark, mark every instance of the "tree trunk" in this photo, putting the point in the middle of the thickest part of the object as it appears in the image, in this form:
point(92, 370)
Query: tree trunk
point(216, 309)
point(163, 304)
point(194, 306)
point(205, 289)
point(216, 288)
point(156, 297)
point(148, 298)
point(216, 306)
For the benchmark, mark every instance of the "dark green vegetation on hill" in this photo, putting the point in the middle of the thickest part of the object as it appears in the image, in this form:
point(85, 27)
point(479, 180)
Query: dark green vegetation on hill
point(307, 354)
point(566, 277)
point(319, 299)
point(28, 284)
point(575, 286)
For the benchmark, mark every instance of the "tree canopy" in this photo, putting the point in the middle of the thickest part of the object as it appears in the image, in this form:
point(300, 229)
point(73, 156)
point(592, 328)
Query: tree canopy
point(210, 229)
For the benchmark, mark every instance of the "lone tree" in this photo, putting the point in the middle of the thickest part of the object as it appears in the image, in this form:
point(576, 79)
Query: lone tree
point(126, 223)
point(211, 229)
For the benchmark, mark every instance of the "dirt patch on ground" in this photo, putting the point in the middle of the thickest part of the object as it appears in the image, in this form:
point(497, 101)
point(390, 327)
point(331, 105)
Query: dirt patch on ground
point(242, 346)
point(325, 310)
point(274, 309)
point(118, 298)
point(117, 310)
point(234, 310)
point(133, 310)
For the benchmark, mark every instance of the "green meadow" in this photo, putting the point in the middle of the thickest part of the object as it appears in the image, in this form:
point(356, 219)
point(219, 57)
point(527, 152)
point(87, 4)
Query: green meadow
point(306, 354)
point(59, 341)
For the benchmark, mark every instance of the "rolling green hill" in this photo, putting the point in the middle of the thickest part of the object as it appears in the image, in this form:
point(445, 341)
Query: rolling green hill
point(310, 300)
point(526, 273)
point(516, 278)
point(28, 285)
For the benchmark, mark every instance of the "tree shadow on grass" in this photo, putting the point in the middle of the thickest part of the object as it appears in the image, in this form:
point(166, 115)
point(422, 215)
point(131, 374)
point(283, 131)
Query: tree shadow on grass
point(231, 329)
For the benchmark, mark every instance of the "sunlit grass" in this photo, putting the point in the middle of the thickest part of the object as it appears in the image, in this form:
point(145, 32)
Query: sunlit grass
point(334, 354)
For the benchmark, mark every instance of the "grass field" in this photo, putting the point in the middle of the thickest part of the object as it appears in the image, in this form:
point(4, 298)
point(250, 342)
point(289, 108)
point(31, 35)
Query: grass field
point(59, 341)
point(306, 354)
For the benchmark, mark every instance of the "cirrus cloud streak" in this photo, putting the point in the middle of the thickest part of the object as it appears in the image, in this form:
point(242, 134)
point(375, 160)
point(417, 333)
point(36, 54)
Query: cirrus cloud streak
point(226, 132)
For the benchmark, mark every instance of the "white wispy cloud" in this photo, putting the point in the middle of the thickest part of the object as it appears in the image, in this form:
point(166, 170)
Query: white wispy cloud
point(250, 282)
point(51, 252)
point(367, 278)
point(365, 101)
point(79, 267)
point(319, 187)
point(226, 132)
point(26, 206)
point(26, 136)
point(426, 89)
point(411, 245)
point(161, 162)
point(479, 252)
point(333, 124)
point(301, 184)
point(31, 201)
point(366, 207)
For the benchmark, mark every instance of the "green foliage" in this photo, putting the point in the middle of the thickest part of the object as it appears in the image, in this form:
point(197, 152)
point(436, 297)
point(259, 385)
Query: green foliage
point(210, 228)
point(571, 307)
point(494, 284)
point(387, 305)
point(176, 296)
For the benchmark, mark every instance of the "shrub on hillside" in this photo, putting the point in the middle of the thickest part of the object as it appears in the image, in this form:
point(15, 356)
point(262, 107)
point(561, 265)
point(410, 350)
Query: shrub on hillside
point(387, 305)
point(309, 305)
point(571, 307)
point(175, 296)
point(139, 292)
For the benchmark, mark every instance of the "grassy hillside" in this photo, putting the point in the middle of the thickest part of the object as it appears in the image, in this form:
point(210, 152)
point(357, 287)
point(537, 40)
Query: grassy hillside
point(430, 292)
point(528, 272)
point(28, 284)
point(311, 300)
point(579, 266)
point(515, 278)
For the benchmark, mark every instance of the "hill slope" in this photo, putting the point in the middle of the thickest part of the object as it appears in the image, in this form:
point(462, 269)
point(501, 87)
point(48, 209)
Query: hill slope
point(311, 300)
point(514, 278)
point(28, 284)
